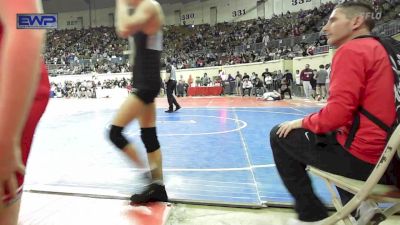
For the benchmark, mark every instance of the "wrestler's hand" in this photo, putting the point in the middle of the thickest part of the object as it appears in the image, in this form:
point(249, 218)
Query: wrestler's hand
point(10, 165)
point(286, 127)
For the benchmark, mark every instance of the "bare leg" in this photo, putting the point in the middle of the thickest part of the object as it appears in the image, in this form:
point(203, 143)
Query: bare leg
point(156, 190)
point(147, 120)
point(132, 108)
point(9, 215)
point(155, 161)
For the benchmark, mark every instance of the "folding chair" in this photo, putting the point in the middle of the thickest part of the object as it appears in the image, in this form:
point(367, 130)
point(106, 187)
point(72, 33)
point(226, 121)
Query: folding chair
point(364, 190)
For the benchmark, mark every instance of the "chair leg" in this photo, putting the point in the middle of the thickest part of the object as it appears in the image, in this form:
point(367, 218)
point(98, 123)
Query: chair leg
point(335, 198)
point(338, 206)
point(348, 221)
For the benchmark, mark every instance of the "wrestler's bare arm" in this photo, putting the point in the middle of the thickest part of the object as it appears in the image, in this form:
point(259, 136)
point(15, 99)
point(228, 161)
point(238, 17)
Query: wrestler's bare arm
point(127, 25)
point(19, 76)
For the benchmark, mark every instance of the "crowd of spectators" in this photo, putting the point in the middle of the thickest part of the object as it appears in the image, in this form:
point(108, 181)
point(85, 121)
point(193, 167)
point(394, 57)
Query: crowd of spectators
point(206, 45)
point(86, 88)
point(82, 51)
point(86, 50)
point(309, 82)
point(79, 51)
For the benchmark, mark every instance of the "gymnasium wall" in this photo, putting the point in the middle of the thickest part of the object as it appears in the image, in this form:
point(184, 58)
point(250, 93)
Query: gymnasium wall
point(397, 36)
point(248, 68)
point(275, 65)
point(100, 17)
point(194, 12)
point(198, 11)
point(70, 20)
point(299, 63)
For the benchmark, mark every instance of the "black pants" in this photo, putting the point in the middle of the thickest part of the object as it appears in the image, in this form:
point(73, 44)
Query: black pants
point(244, 89)
point(284, 91)
point(171, 86)
point(301, 148)
point(231, 87)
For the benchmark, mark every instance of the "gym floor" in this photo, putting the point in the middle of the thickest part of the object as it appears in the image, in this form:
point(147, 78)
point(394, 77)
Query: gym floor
point(215, 149)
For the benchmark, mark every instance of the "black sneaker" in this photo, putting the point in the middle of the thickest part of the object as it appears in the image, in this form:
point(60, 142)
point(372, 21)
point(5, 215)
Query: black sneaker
point(169, 111)
point(153, 193)
point(177, 108)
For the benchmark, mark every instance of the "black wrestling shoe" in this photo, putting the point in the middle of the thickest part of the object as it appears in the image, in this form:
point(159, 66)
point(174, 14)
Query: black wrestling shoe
point(177, 108)
point(169, 111)
point(153, 193)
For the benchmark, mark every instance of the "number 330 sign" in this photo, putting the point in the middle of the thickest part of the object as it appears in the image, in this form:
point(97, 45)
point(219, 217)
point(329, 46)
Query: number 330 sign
point(295, 2)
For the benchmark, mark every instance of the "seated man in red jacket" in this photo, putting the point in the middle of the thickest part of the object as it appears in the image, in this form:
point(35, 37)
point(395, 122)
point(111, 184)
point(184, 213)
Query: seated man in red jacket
point(361, 76)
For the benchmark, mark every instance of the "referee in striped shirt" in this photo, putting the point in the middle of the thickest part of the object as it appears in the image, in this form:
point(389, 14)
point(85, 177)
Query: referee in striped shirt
point(171, 86)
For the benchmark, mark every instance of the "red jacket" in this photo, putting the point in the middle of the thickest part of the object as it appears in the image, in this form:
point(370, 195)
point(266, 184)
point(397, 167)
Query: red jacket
point(361, 75)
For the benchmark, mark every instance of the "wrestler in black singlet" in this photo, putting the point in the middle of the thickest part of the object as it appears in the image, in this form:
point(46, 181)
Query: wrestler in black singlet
point(146, 69)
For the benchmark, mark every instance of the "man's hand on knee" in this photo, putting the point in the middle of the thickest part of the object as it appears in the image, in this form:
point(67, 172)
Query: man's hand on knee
point(286, 127)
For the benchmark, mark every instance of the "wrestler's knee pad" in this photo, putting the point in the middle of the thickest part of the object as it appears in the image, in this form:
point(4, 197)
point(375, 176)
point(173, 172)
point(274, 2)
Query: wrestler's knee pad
point(149, 138)
point(117, 138)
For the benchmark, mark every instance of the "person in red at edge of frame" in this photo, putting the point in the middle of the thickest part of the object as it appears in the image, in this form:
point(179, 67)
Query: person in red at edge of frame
point(361, 76)
point(24, 93)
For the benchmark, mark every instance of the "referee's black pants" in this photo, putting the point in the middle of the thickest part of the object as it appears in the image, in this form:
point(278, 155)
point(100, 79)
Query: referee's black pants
point(171, 86)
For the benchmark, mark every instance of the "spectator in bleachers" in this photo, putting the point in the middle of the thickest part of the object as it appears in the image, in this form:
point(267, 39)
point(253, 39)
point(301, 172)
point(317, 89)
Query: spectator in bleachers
point(321, 41)
point(187, 45)
point(76, 51)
